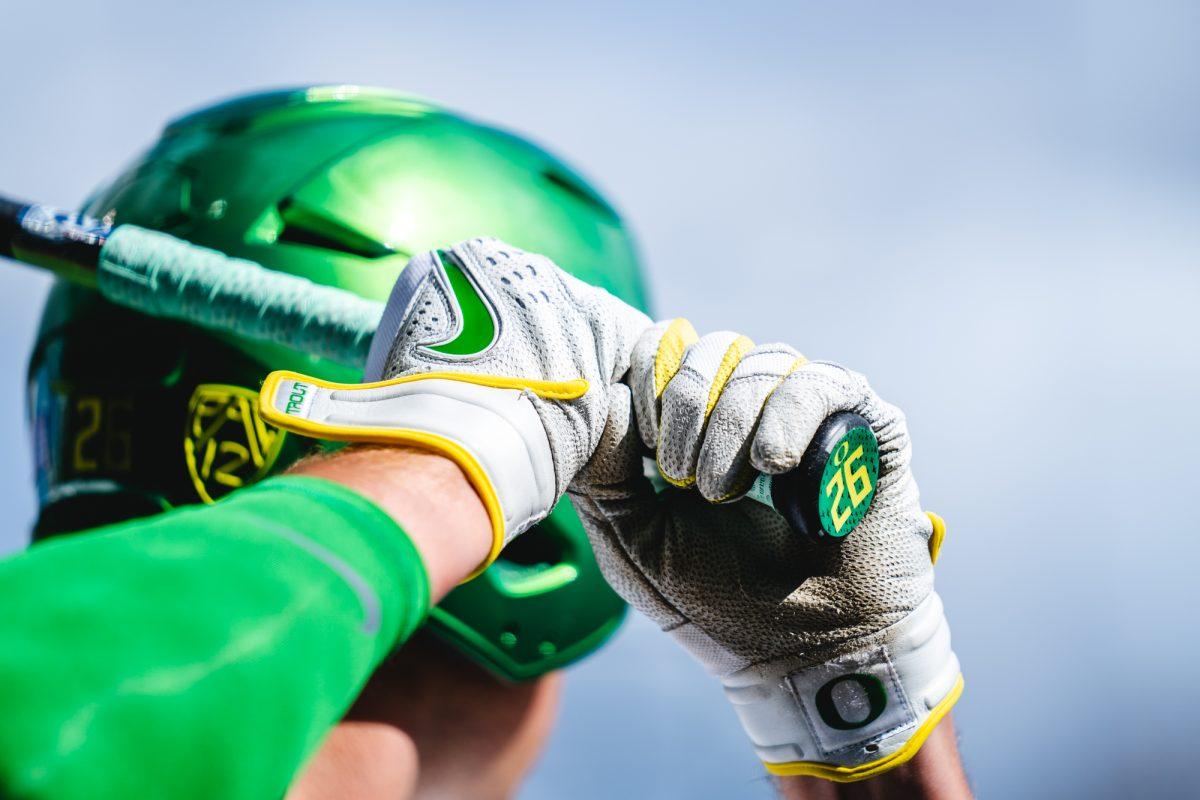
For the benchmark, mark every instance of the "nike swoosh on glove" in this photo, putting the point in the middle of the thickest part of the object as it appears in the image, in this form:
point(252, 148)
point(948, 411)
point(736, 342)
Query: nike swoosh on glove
point(491, 356)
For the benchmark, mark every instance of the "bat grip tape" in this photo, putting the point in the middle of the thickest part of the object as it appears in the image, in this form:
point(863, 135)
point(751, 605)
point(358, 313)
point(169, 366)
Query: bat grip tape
point(157, 274)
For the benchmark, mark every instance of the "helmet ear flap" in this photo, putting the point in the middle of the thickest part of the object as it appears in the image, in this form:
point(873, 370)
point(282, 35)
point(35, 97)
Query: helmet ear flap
point(556, 605)
point(134, 415)
point(92, 509)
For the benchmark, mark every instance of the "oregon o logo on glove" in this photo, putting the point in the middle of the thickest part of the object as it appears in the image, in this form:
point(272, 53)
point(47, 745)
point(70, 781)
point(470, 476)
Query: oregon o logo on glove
point(856, 691)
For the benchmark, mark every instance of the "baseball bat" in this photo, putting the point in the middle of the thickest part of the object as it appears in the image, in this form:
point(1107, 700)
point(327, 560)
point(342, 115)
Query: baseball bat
point(154, 273)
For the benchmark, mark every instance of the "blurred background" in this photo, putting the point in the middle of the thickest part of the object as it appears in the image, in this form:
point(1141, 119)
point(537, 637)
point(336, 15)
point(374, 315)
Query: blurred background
point(1012, 189)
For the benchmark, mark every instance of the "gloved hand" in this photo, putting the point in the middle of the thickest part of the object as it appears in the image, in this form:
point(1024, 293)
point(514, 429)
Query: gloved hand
point(491, 356)
point(836, 656)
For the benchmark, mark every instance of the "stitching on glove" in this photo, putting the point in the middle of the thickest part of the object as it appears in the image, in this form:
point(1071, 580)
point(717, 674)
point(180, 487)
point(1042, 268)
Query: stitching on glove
point(675, 340)
point(733, 355)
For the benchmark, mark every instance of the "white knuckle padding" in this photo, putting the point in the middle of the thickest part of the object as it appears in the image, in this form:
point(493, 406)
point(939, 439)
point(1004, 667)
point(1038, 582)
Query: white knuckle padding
point(796, 409)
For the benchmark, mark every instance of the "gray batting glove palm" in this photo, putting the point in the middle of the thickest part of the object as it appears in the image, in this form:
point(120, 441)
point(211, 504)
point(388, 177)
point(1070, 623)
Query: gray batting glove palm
point(836, 658)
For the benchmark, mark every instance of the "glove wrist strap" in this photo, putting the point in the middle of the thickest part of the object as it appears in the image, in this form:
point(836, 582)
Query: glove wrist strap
point(493, 433)
point(859, 714)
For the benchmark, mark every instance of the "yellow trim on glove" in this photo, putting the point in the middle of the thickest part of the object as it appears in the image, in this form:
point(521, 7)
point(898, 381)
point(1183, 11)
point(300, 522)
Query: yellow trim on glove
point(685, 483)
point(478, 478)
point(549, 390)
point(937, 537)
point(671, 349)
point(675, 340)
point(749, 473)
point(733, 355)
point(832, 772)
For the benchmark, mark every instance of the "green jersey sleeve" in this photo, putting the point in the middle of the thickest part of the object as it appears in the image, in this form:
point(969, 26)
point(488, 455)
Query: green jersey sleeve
point(201, 653)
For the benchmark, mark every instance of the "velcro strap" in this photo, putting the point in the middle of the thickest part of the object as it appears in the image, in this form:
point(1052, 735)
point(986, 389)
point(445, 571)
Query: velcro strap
point(493, 433)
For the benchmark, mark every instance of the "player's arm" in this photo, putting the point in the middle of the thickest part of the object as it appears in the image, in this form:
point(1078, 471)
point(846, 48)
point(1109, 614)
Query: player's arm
point(209, 650)
point(206, 652)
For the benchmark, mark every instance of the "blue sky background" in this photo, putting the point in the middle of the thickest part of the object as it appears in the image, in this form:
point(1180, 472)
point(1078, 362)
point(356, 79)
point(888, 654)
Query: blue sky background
point(1014, 189)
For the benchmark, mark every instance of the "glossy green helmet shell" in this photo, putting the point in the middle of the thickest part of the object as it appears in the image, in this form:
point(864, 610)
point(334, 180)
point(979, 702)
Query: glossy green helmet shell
point(340, 185)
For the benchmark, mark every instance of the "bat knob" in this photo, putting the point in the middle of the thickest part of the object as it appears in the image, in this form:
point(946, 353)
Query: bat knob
point(830, 492)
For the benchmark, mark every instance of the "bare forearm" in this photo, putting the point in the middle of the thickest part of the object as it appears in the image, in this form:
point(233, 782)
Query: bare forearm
point(934, 773)
point(427, 495)
point(432, 501)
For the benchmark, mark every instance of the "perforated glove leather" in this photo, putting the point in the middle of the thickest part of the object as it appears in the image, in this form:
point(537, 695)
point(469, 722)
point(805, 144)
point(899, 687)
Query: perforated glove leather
point(836, 658)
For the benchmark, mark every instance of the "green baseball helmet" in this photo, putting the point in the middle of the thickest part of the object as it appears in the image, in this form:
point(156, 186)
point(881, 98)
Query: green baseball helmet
point(340, 185)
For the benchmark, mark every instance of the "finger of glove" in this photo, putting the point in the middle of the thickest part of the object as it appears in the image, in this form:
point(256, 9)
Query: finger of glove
point(723, 471)
point(690, 397)
point(796, 409)
point(656, 358)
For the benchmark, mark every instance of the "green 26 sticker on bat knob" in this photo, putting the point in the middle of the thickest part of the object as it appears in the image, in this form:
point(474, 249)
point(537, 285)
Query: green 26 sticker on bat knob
point(848, 480)
point(829, 493)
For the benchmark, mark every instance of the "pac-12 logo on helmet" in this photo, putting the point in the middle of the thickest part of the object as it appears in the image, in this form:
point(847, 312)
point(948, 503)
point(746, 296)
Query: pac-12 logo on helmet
point(227, 444)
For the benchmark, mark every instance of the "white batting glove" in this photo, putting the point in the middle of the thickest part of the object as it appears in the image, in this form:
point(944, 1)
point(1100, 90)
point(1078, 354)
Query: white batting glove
point(836, 657)
point(491, 356)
